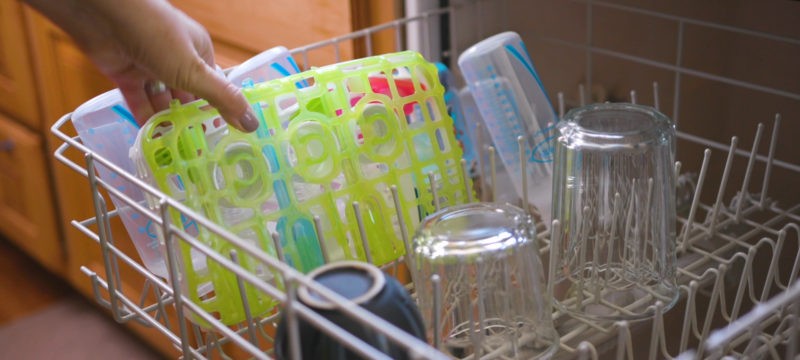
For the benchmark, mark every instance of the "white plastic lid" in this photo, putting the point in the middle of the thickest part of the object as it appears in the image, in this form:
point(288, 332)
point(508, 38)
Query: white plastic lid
point(257, 63)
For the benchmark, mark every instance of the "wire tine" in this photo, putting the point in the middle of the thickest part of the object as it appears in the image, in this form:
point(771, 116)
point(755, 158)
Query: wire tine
point(493, 172)
point(768, 169)
point(162, 311)
point(245, 301)
point(368, 42)
point(595, 277)
point(633, 96)
point(794, 331)
point(306, 65)
point(96, 287)
point(646, 226)
point(145, 292)
point(291, 317)
point(506, 286)
point(656, 104)
point(198, 337)
point(103, 235)
point(687, 315)
point(481, 170)
point(321, 239)
point(614, 216)
point(627, 248)
point(336, 51)
point(657, 329)
point(770, 279)
point(743, 194)
point(717, 209)
point(453, 25)
point(398, 37)
point(560, 105)
point(622, 339)
point(555, 244)
point(582, 94)
point(586, 351)
point(523, 174)
point(362, 232)
point(276, 241)
point(712, 307)
point(584, 236)
point(437, 310)
point(401, 222)
point(120, 309)
point(465, 178)
point(481, 309)
point(434, 191)
point(472, 331)
point(696, 200)
point(174, 272)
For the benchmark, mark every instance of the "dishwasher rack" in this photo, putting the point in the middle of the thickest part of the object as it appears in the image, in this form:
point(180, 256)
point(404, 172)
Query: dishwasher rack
point(730, 304)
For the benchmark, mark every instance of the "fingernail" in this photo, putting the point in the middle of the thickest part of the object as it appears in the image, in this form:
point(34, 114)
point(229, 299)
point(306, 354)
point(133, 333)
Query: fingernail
point(249, 121)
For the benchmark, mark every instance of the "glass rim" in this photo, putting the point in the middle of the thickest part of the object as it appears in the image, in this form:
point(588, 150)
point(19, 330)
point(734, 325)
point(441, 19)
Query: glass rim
point(595, 125)
point(434, 241)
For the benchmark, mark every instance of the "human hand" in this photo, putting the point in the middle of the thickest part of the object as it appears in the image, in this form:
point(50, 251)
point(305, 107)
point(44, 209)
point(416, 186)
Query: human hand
point(153, 52)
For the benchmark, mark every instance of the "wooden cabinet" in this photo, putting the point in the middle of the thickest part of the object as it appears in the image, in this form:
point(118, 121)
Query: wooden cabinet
point(50, 77)
point(66, 78)
point(257, 25)
point(17, 88)
point(26, 211)
point(27, 215)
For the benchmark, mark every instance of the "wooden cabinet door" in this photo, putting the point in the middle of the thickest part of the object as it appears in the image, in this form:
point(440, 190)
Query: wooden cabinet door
point(66, 79)
point(26, 207)
point(17, 88)
point(257, 25)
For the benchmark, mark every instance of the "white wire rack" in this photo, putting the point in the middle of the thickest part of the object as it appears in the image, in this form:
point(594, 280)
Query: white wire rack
point(739, 257)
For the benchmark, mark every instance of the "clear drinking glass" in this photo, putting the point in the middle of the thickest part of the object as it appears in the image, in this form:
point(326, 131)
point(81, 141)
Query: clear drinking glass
point(480, 283)
point(614, 195)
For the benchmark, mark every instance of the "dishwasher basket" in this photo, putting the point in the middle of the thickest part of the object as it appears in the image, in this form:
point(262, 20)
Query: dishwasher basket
point(738, 256)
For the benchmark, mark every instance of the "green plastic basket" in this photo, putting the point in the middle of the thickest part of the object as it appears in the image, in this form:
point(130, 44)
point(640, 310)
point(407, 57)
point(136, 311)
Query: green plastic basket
point(328, 137)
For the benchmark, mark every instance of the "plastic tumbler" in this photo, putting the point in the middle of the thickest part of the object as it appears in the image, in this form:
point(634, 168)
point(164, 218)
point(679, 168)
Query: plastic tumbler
point(614, 195)
point(513, 103)
point(480, 283)
point(107, 128)
point(271, 64)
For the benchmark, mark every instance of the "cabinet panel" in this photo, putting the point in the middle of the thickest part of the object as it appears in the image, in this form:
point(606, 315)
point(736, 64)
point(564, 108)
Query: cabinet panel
point(26, 207)
point(71, 80)
point(17, 90)
point(257, 25)
point(66, 79)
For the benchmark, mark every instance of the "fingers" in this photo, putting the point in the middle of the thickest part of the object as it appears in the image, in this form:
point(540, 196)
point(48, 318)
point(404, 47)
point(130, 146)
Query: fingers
point(138, 101)
point(183, 96)
point(158, 94)
point(145, 98)
point(206, 83)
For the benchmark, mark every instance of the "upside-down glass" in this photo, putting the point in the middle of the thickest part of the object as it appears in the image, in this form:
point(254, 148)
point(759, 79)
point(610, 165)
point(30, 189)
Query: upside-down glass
point(614, 195)
point(480, 283)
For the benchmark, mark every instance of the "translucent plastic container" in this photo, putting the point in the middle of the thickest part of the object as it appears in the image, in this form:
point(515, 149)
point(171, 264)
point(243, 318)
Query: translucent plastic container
point(513, 103)
point(106, 126)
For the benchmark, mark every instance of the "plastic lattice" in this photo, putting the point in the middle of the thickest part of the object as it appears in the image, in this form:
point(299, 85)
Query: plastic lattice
point(328, 137)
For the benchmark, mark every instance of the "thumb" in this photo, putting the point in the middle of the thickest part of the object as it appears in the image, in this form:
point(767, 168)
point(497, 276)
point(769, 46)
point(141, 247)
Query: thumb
point(220, 93)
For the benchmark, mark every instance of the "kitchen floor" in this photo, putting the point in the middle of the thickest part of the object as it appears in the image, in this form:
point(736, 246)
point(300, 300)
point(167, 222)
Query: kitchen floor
point(41, 317)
